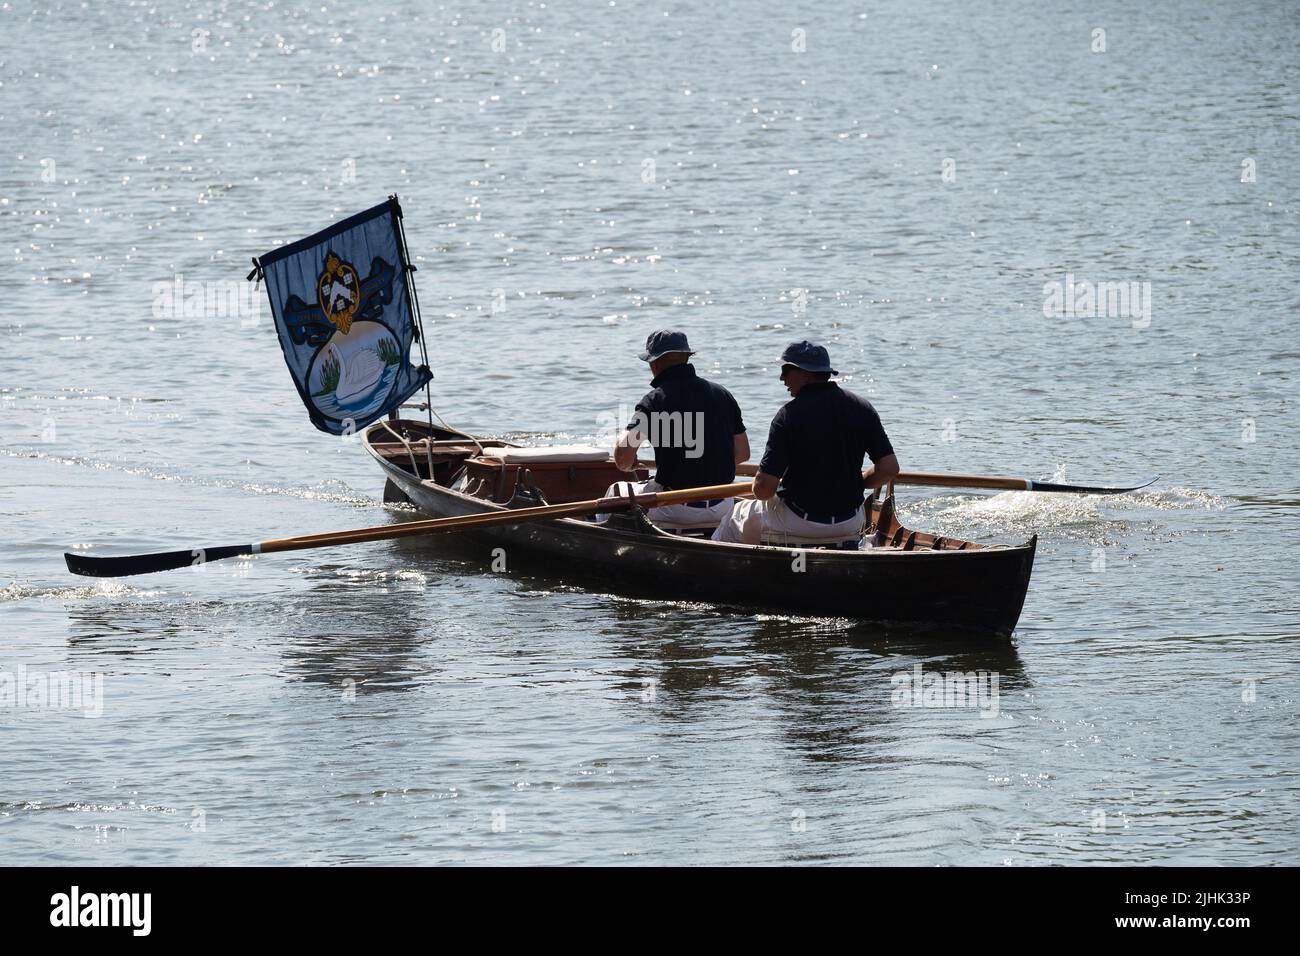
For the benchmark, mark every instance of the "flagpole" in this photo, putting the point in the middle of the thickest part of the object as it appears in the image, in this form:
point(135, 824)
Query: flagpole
point(414, 296)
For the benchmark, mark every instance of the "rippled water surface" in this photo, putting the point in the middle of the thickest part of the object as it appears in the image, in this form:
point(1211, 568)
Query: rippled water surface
point(575, 175)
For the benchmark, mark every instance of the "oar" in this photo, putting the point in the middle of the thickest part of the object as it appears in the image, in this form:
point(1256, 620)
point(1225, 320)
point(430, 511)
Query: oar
point(170, 560)
point(992, 482)
point(1007, 484)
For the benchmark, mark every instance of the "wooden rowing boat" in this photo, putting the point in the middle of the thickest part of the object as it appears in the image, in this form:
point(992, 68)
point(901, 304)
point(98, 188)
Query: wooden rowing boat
point(912, 577)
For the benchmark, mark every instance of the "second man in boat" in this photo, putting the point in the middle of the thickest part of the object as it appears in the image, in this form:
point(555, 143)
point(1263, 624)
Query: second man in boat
point(809, 487)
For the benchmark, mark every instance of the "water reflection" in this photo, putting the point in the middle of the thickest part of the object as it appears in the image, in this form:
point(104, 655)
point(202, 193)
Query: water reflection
point(354, 636)
point(133, 628)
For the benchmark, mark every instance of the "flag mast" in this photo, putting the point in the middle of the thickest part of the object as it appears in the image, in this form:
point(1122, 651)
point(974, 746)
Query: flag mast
point(409, 270)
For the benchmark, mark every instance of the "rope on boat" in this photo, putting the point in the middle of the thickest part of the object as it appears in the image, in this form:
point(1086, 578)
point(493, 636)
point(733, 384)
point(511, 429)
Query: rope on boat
point(409, 450)
point(443, 422)
point(446, 425)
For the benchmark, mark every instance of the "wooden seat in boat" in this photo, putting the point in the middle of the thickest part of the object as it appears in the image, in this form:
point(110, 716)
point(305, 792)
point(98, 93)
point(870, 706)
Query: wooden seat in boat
point(548, 455)
point(559, 481)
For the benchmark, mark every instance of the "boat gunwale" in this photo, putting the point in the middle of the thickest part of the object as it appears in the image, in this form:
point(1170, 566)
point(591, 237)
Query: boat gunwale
point(686, 543)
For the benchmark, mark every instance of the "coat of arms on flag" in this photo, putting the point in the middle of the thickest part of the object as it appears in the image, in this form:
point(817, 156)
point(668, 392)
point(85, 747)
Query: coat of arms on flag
point(343, 312)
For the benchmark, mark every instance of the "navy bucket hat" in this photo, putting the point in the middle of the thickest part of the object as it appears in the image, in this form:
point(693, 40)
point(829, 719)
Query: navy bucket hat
point(664, 341)
point(807, 356)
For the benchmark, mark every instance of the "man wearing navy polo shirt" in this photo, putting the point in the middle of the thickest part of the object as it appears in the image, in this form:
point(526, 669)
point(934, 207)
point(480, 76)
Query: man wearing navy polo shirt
point(810, 483)
point(695, 428)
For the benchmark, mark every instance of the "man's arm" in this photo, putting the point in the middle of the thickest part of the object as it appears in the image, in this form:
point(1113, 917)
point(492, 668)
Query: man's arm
point(881, 472)
point(879, 450)
point(742, 447)
point(738, 429)
point(765, 485)
point(775, 461)
point(626, 449)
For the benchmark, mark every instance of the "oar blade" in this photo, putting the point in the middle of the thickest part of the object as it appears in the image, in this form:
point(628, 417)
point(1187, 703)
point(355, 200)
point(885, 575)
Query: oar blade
point(1089, 489)
point(93, 566)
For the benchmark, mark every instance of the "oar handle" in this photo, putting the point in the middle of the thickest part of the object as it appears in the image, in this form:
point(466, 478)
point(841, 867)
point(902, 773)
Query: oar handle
point(659, 499)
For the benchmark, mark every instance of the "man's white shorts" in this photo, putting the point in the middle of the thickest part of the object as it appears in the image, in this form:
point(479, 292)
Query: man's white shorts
point(752, 522)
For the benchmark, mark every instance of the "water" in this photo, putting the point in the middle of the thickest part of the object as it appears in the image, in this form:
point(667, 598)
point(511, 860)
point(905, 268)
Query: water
point(400, 703)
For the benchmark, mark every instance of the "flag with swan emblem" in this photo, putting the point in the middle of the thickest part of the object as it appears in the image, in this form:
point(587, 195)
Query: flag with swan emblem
point(342, 301)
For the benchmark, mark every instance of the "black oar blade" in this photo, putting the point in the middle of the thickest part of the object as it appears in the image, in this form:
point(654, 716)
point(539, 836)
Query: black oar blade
point(1088, 489)
point(120, 567)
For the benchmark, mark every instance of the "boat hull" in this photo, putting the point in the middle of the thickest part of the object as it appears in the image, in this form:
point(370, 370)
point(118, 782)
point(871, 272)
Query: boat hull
point(982, 590)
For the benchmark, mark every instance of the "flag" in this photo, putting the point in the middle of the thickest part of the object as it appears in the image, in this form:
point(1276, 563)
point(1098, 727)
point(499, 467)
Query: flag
point(343, 314)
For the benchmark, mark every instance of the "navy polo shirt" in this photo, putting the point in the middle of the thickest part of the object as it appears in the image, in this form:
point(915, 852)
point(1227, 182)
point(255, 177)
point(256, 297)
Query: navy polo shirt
point(692, 424)
point(816, 445)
